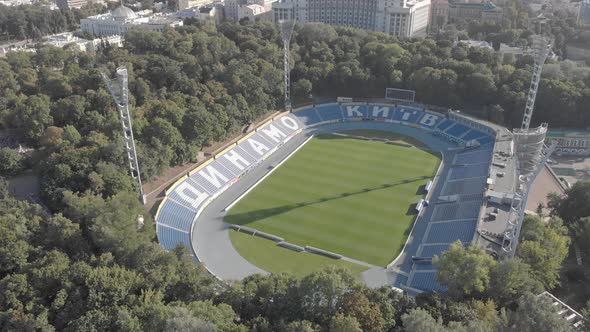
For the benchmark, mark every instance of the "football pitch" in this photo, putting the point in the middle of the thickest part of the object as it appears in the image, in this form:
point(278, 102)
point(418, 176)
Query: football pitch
point(350, 196)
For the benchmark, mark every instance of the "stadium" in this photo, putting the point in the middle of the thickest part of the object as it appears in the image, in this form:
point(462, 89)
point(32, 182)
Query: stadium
point(379, 188)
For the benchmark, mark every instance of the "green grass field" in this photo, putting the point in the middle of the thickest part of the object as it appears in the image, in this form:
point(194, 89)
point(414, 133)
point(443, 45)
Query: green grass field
point(275, 259)
point(345, 195)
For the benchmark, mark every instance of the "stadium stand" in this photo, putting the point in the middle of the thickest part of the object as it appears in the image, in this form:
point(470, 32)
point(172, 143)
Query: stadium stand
point(431, 250)
point(473, 134)
point(425, 280)
point(444, 125)
point(473, 157)
point(451, 231)
point(355, 111)
point(485, 140)
point(309, 116)
point(469, 171)
point(170, 238)
point(328, 113)
point(180, 209)
point(407, 115)
point(457, 130)
point(177, 216)
point(465, 187)
point(461, 182)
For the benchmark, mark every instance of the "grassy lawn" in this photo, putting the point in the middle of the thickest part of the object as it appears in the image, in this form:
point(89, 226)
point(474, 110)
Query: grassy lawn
point(345, 195)
point(269, 257)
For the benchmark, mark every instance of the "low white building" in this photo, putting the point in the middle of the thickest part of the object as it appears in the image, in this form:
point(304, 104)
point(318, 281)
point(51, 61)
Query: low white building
point(236, 10)
point(15, 2)
point(123, 19)
point(84, 45)
point(201, 14)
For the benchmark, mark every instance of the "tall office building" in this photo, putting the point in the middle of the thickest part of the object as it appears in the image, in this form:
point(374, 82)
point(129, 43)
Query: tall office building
point(400, 18)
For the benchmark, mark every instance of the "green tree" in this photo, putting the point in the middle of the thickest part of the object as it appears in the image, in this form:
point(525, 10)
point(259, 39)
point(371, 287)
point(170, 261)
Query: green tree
point(341, 323)
point(465, 271)
point(302, 88)
point(323, 291)
point(574, 205)
point(581, 232)
point(366, 313)
point(543, 246)
point(52, 137)
point(420, 320)
point(33, 116)
point(511, 279)
point(11, 162)
point(534, 314)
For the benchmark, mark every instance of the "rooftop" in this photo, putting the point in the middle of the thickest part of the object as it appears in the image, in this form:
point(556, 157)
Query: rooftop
point(123, 12)
point(569, 133)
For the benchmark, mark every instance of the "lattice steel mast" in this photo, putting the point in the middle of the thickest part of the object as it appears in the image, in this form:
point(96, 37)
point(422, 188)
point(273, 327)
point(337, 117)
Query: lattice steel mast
point(120, 92)
point(541, 49)
point(286, 33)
point(531, 151)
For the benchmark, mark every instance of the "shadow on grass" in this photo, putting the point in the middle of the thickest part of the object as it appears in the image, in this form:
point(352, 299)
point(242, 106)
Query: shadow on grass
point(252, 216)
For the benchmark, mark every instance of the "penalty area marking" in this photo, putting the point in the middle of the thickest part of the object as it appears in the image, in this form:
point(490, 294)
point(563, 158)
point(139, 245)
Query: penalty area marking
point(266, 175)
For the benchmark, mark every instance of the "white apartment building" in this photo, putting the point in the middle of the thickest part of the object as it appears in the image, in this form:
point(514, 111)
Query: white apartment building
point(406, 18)
point(236, 10)
point(123, 19)
point(400, 18)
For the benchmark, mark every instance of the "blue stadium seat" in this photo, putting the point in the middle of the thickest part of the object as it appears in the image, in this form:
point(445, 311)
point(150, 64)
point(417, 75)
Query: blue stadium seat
point(431, 120)
point(211, 188)
point(355, 111)
point(400, 281)
point(426, 281)
point(474, 157)
point(471, 197)
point(236, 151)
point(445, 124)
point(250, 150)
point(176, 215)
point(191, 196)
point(170, 238)
point(330, 112)
point(424, 266)
point(407, 114)
point(454, 211)
point(384, 111)
point(457, 130)
point(432, 250)
point(485, 140)
point(471, 171)
point(308, 116)
point(449, 232)
point(466, 187)
point(473, 134)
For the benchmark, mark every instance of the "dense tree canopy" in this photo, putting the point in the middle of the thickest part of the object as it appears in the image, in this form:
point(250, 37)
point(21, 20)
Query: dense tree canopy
point(86, 264)
point(35, 21)
point(197, 85)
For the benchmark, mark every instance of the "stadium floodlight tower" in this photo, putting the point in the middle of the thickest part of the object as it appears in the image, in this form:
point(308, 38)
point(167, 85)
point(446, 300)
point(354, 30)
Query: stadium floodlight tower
point(286, 34)
point(120, 92)
point(541, 49)
point(531, 152)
